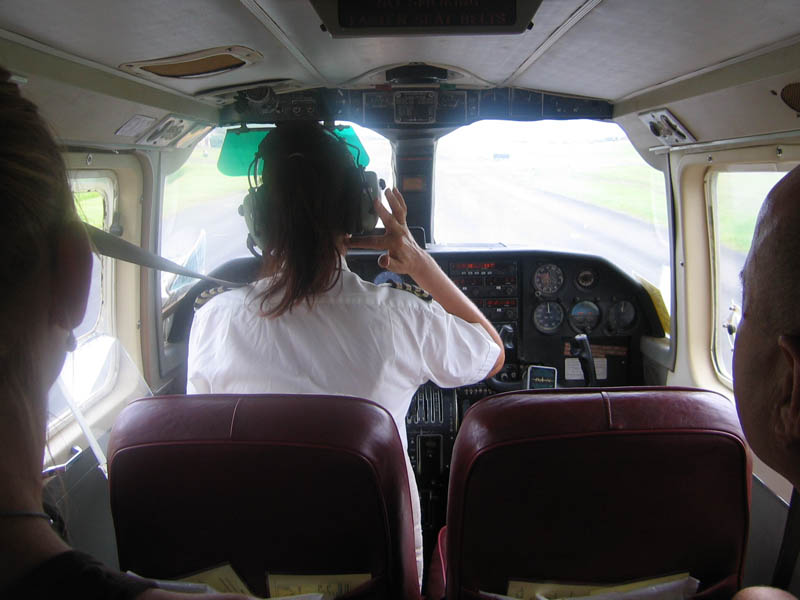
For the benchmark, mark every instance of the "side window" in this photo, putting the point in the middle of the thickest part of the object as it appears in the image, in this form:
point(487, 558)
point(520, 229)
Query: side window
point(90, 371)
point(735, 199)
point(91, 206)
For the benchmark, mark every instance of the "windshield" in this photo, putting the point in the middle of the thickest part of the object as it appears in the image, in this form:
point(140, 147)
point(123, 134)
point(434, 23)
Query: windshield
point(577, 186)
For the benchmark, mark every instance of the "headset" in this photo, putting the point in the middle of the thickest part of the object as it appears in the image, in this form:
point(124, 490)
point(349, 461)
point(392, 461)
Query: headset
point(358, 184)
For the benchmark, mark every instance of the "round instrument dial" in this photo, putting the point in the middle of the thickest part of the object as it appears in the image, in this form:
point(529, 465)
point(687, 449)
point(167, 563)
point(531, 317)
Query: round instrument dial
point(622, 315)
point(586, 278)
point(584, 316)
point(548, 279)
point(548, 316)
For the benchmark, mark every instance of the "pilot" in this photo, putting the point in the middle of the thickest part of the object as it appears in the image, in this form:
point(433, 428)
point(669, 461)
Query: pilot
point(766, 363)
point(45, 269)
point(310, 325)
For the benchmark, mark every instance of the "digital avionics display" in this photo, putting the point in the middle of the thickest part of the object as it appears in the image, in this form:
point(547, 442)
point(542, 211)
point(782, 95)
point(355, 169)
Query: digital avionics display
point(358, 14)
point(474, 266)
point(505, 303)
point(375, 18)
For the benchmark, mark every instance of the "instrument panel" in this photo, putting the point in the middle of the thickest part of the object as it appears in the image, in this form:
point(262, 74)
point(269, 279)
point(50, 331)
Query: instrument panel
point(403, 106)
point(540, 301)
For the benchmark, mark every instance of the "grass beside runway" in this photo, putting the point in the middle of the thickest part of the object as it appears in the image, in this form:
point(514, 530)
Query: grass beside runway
point(90, 207)
point(198, 181)
point(739, 198)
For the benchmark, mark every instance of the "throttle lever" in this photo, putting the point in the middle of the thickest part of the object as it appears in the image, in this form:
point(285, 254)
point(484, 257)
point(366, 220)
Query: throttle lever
point(507, 336)
point(580, 348)
point(506, 333)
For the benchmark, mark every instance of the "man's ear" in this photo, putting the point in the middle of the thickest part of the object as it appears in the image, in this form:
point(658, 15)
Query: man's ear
point(789, 388)
point(72, 275)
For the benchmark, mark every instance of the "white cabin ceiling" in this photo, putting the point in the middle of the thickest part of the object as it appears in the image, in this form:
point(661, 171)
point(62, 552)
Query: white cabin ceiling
point(623, 46)
point(618, 48)
point(121, 31)
point(492, 58)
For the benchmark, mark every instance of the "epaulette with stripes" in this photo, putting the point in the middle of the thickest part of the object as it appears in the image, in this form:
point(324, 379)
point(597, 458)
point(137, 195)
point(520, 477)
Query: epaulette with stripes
point(413, 289)
point(207, 295)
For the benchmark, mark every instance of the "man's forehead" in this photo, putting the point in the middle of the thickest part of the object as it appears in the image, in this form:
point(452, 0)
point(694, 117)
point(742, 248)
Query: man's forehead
point(783, 200)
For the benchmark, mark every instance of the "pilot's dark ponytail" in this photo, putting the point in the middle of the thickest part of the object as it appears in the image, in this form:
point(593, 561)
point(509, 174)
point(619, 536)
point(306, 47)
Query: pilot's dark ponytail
point(306, 213)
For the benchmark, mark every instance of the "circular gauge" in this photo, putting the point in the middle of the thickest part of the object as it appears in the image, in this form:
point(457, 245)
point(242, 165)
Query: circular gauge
point(586, 278)
point(548, 279)
point(386, 277)
point(622, 315)
point(548, 317)
point(584, 316)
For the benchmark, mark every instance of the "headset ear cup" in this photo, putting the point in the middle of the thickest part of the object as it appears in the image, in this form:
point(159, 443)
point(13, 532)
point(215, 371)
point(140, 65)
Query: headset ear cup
point(361, 188)
point(351, 194)
point(368, 218)
point(253, 209)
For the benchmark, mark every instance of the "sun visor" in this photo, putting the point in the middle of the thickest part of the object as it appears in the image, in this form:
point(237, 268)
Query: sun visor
point(240, 147)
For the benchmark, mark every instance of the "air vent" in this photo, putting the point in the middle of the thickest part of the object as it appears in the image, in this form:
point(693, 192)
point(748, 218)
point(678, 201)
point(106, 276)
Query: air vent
point(790, 95)
point(204, 63)
point(666, 127)
point(170, 129)
point(416, 74)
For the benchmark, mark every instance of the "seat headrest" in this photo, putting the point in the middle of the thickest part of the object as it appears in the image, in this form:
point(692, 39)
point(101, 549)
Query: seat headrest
point(598, 486)
point(269, 483)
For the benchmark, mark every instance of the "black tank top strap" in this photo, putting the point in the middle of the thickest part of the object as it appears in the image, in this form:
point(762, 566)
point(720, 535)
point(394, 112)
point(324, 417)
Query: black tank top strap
point(74, 574)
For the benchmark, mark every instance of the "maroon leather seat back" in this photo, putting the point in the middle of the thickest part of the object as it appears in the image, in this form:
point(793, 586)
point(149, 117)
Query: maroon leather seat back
point(598, 486)
point(269, 483)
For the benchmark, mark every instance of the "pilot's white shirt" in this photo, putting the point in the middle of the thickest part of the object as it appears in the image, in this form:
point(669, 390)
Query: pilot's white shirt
point(358, 339)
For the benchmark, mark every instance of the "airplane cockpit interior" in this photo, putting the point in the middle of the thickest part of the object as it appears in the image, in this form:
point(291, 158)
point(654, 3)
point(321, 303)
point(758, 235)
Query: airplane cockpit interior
point(586, 172)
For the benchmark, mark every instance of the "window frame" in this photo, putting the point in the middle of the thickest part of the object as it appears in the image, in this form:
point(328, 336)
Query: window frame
point(105, 323)
point(720, 309)
point(103, 181)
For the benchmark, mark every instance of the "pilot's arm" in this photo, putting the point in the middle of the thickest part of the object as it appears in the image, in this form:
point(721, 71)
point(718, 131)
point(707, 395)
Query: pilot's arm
point(404, 256)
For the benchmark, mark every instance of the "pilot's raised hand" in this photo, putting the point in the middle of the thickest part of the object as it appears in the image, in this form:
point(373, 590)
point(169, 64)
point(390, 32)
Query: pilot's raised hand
point(403, 254)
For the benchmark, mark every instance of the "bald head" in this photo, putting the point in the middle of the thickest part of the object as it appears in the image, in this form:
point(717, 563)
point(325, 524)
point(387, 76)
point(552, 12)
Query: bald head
point(784, 198)
point(766, 360)
point(772, 279)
